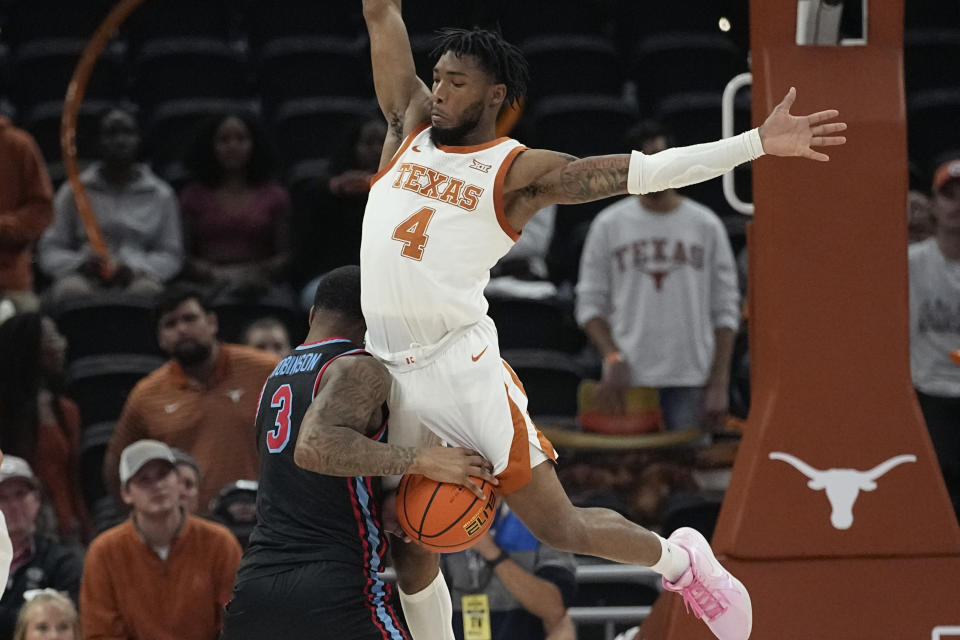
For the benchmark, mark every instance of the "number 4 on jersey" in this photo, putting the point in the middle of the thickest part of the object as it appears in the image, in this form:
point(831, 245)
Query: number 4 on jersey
point(412, 232)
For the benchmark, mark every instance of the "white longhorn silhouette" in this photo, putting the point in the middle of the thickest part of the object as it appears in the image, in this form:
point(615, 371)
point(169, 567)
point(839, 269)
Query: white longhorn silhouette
point(842, 485)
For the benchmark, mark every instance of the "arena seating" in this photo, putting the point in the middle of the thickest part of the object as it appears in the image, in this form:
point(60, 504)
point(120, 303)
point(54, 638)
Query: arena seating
point(312, 66)
point(568, 64)
point(550, 378)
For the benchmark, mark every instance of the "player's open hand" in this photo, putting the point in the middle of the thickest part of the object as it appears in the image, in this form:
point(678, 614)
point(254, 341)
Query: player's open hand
point(455, 465)
point(784, 134)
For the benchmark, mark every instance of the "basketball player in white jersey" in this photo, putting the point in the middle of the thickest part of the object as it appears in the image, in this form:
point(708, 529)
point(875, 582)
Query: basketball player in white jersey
point(449, 200)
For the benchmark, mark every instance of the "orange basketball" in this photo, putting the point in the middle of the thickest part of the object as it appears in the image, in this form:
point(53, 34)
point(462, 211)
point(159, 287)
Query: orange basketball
point(444, 517)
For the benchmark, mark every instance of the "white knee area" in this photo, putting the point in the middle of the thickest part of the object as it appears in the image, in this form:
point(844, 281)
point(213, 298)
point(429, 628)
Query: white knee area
point(429, 612)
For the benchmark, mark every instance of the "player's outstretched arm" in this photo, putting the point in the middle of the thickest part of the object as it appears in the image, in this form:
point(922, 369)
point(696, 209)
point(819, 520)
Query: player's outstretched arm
point(404, 99)
point(334, 436)
point(540, 178)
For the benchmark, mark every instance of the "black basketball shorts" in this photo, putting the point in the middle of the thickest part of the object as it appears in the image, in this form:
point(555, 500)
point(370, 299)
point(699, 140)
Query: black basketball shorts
point(316, 601)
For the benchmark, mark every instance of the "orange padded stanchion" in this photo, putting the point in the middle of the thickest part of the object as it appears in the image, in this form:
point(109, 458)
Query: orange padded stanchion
point(68, 124)
point(837, 519)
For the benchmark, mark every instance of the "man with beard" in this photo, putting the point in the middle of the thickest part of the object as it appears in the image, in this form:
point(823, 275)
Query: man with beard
point(200, 401)
point(449, 200)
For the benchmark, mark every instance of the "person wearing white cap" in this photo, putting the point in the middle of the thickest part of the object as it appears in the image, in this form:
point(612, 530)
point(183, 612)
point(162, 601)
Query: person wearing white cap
point(38, 560)
point(160, 554)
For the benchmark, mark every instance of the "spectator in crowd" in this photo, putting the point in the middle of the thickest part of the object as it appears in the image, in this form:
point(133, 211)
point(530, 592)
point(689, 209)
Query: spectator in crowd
point(332, 204)
point(188, 472)
point(920, 220)
point(47, 615)
point(935, 325)
point(236, 509)
point(26, 209)
point(510, 585)
point(39, 561)
point(137, 214)
point(268, 334)
point(37, 422)
point(163, 574)
point(202, 400)
point(235, 214)
point(658, 297)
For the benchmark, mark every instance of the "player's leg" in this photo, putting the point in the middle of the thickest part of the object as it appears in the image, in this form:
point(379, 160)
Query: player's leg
point(423, 591)
point(315, 601)
point(685, 560)
point(543, 506)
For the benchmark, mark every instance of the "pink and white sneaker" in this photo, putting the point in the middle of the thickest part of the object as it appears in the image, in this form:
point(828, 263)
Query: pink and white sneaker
point(715, 596)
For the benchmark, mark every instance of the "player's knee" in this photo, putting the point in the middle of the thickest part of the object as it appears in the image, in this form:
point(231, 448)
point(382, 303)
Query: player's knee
point(416, 567)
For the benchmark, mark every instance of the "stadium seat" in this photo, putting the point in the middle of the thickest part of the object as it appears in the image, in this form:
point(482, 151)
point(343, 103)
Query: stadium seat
point(525, 323)
point(180, 18)
point(571, 64)
point(44, 121)
point(311, 66)
point(422, 45)
point(310, 128)
point(560, 16)
point(42, 70)
point(671, 63)
point(920, 14)
point(171, 127)
point(693, 118)
point(933, 124)
point(925, 56)
point(429, 17)
point(100, 384)
point(234, 317)
point(698, 510)
point(269, 19)
point(582, 125)
point(551, 380)
point(35, 19)
point(93, 446)
point(99, 325)
point(104, 509)
point(693, 16)
point(184, 68)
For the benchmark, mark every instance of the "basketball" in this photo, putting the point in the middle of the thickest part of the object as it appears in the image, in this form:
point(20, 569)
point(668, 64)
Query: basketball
point(444, 517)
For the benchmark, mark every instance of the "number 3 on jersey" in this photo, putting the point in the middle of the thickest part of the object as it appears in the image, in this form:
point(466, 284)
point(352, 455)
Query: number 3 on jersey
point(278, 438)
point(412, 232)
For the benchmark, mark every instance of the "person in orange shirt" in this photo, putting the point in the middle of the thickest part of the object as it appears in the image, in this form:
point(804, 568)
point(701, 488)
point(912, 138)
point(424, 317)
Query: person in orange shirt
point(26, 209)
point(201, 401)
point(163, 574)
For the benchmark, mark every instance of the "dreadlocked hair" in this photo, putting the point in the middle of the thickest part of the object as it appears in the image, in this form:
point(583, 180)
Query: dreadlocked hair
point(495, 55)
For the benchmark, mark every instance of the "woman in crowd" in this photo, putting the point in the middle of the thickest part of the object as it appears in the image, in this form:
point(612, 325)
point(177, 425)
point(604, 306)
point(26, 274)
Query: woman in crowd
point(37, 422)
point(235, 214)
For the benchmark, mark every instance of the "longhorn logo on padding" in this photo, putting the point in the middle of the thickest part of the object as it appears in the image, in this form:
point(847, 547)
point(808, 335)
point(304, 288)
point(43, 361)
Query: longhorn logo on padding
point(842, 485)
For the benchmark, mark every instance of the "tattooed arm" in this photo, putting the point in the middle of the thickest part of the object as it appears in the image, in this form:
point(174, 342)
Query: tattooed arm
point(403, 98)
point(334, 436)
point(539, 178)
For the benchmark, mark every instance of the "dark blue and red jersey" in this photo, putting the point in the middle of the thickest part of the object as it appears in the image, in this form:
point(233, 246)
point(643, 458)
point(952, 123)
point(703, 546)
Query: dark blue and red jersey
point(305, 517)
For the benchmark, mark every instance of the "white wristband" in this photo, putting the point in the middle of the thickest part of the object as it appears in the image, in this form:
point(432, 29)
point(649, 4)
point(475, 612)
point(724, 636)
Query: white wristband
point(682, 166)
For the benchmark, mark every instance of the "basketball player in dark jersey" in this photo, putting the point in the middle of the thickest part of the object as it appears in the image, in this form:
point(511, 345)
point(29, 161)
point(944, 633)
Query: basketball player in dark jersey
point(312, 566)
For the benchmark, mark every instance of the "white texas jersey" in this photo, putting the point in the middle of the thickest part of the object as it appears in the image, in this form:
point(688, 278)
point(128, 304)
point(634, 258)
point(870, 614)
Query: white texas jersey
point(433, 228)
